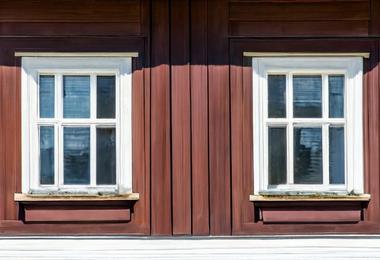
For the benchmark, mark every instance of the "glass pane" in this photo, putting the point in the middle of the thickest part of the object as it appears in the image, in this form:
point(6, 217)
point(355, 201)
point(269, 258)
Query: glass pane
point(76, 155)
point(47, 87)
point(336, 96)
point(308, 156)
point(106, 156)
point(276, 96)
point(277, 155)
point(105, 97)
point(307, 96)
point(336, 154)
point(46, 155)
point(76, 96)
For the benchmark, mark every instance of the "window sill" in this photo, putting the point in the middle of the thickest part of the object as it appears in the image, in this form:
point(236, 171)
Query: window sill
point(20, 197)
point(315, 208)
point(307, 198)
point(75, 208)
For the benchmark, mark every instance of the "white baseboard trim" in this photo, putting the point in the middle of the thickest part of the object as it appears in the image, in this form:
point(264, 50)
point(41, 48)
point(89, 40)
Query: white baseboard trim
point(258, 247)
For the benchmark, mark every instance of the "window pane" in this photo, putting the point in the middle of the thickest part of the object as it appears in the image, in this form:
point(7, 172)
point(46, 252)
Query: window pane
point(106, 156)
point(276, 96)
point(277, 155)
point(308, 156)
point(336, 154)
point(47, 87)
point(76, 155)
point(106, 97)
point(76, 96)
point(46, 155)
point(336, 96)
point(307, 96)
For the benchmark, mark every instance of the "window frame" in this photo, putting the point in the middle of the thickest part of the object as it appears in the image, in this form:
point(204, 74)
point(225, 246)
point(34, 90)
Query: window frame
point(32, 68)
point(351, 68)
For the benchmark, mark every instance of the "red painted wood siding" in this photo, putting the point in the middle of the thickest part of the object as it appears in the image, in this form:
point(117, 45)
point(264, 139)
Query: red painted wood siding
point(192, 101)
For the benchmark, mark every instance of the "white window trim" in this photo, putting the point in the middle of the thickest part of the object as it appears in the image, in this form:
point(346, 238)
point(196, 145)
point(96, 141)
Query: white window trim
point(352, 68)
point(32, 67)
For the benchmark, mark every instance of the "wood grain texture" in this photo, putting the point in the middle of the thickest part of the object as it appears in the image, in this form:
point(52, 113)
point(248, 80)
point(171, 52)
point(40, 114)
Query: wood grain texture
point(299, 18)
point(61, 214)
point(374, 25)
point(219, 119)
point(310, 216)
point(180, 117)
point(70, 11)
point(161, 203)
point(199, 119)
point(69, 17)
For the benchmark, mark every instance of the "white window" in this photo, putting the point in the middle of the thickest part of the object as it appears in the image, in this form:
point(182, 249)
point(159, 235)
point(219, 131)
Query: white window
point(307, 116)
point(76, 125)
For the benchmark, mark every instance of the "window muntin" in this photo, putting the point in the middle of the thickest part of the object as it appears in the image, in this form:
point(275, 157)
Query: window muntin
point(79, 135)
point(303, 121)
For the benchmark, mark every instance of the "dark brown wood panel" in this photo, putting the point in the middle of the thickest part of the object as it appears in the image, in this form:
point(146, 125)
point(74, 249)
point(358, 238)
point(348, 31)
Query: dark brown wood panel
point(374, 27)
point(299, 28)
point(161, 203)
point(300, 18)
point(199, 118)
point(70, 11)
point(76, 214)
point(69, 17)
point(219, 119)
point(300, 11)
point(180, 100)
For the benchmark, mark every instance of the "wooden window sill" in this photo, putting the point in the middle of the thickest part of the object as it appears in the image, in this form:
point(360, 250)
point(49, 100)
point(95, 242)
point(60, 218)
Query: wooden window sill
point(315, 208)
point(20, 197)
point(307, 198)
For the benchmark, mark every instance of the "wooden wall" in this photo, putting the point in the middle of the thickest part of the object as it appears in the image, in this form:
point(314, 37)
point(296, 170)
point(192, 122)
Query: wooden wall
point(192, 123)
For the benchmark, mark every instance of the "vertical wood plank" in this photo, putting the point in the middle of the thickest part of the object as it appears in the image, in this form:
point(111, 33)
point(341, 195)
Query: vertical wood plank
point(12, 133)
point(3, 70)
point(180, 99)
point(372, 131)
point(219, 118)
point(161, 211)
point(199, 118)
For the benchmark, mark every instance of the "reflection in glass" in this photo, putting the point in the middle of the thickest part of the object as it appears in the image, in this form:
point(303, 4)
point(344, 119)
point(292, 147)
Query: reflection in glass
point(336, 96)
point(106, 156)
point(105, 96)
point(46, 89)
point(307, 96)
point(276, 96)
point(308, 156)
point(277, 155)
point(76, 96)
point(47, 155)
point(76, 155)
point(336, 154)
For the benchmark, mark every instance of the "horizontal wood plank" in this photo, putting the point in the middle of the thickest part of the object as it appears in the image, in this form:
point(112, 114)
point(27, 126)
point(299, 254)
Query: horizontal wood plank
point(70, 11)
point(295, 11)
point(75, 215)
point(298, 28)
point(309, 216)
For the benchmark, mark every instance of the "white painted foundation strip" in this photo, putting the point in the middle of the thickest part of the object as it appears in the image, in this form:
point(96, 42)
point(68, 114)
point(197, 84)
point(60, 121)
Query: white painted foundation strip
point(114, 247)
point(76, 54)
point(306, 54)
